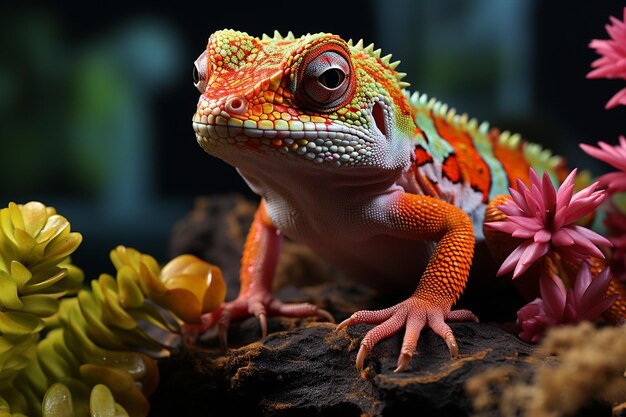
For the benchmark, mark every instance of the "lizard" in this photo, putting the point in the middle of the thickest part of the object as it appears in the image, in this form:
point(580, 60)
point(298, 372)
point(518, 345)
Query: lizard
point(390, 186)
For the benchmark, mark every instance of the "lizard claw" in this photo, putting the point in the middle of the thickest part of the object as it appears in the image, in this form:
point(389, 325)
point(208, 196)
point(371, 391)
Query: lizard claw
point(259, 306)
point(263, 322)
point(413, 314)
point(325, 314)
point(453, 347)
point(403, 361)
point(360, 357)
point(224, 322)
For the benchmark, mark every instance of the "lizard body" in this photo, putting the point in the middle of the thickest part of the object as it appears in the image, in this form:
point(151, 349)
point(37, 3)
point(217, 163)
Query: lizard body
point(351, 164)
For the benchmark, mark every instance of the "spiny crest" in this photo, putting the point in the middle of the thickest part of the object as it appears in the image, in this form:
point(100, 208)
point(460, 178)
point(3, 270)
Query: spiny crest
point(386, 60)
point(278, 37)
point(541, 157)
point(534, 153)
point(422, 101)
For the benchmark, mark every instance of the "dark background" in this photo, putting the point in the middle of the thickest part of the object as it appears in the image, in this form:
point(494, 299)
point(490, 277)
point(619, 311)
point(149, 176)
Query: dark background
point(96, 100)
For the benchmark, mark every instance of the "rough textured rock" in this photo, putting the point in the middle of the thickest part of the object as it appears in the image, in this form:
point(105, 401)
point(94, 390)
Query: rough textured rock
point(308, 370)
point(304, 367)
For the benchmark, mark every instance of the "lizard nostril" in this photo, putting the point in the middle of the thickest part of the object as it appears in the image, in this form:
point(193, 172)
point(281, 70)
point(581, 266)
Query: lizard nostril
point(236, 104)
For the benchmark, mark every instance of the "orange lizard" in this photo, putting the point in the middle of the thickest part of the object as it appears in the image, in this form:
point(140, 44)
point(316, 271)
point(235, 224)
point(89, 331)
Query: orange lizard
point(363, 172)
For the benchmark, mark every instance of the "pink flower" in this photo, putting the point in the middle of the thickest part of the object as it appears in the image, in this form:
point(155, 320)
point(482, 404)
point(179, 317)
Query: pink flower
point(615, 222)
point(545, 219)
point(558, 306)
point(541, 313)
point(614, 156)
point(612, 64)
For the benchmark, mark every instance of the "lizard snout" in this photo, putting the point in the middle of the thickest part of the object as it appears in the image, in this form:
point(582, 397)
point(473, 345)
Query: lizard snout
point(236, 104)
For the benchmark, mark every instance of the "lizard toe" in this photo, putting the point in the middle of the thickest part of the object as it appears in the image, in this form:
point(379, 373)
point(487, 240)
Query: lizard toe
point(279, 308)
point(461, 315)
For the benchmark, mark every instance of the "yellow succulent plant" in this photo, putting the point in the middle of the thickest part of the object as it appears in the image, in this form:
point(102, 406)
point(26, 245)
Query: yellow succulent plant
point(98, 356)
point(35, 245)
point(35, 236)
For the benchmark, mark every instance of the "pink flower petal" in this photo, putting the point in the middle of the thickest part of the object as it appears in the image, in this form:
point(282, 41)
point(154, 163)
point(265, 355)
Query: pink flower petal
point(532, 252)
point(604, 155)
point(549, 193)
point(583, 279)
point(587, 300)
point(518, 195)
point(534, 205)
point(583, 244)
point(595, 310)
point(617, 99)
point(596, 290)
point(524, 233)
point(542, 236)
point(618, 152)
point(530, 310)
point(512, 260)
point(553, 294)
point(563, 198)
point(510, 208)
point(614, 181)
point(562, 238)
point(502, 226)
point(532, 328)
point(530, 223)
point(583, 206)
point(591, 235)
point(534, 177)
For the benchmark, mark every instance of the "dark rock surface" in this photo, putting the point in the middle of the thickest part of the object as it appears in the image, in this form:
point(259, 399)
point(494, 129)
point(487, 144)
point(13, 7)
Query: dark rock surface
point(309, 371)
point(305, 368)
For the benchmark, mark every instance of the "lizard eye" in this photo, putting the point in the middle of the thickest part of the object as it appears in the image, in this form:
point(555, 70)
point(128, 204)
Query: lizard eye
point(332, 78)
point(326, 81)
point(199, 72)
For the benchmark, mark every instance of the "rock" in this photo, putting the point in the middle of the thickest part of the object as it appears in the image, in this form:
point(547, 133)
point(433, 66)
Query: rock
point(308, 370)
point(303, 367)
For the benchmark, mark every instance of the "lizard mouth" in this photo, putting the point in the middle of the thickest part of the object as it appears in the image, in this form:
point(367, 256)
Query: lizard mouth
point(319, 142)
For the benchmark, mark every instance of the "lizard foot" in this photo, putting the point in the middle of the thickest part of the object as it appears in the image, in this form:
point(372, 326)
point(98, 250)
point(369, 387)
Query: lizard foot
point(261, 306)
point(413, 314)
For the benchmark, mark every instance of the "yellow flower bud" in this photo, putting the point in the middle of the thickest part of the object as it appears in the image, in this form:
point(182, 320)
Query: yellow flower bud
point(194, 287)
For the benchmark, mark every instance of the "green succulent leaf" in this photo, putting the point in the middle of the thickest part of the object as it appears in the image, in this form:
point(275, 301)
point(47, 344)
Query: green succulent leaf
point(41, 305)
point(36, 377)
point(20, 274)
point(35, 216)
point(18, 323)
point(8, 292)
point(57, 402)
point(51, 364)
point(80, 395)
point(130, 292)
point(45, 283)
point(101, 402)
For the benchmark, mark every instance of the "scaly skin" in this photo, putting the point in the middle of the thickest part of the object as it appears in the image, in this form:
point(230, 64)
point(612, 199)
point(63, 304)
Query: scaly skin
point(350, 163)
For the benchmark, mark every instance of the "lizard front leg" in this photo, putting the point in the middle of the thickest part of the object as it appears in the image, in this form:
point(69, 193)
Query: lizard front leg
point(258, 266)
point(412, 216)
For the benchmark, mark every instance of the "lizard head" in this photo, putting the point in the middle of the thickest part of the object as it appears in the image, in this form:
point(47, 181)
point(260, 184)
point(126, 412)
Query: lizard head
point(315, 98)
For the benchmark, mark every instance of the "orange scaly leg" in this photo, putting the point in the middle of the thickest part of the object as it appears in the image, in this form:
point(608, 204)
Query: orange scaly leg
point(421, 217)
point(255, 297)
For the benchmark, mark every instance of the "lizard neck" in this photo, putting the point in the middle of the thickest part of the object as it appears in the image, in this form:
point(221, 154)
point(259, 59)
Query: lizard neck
point(306, 188)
